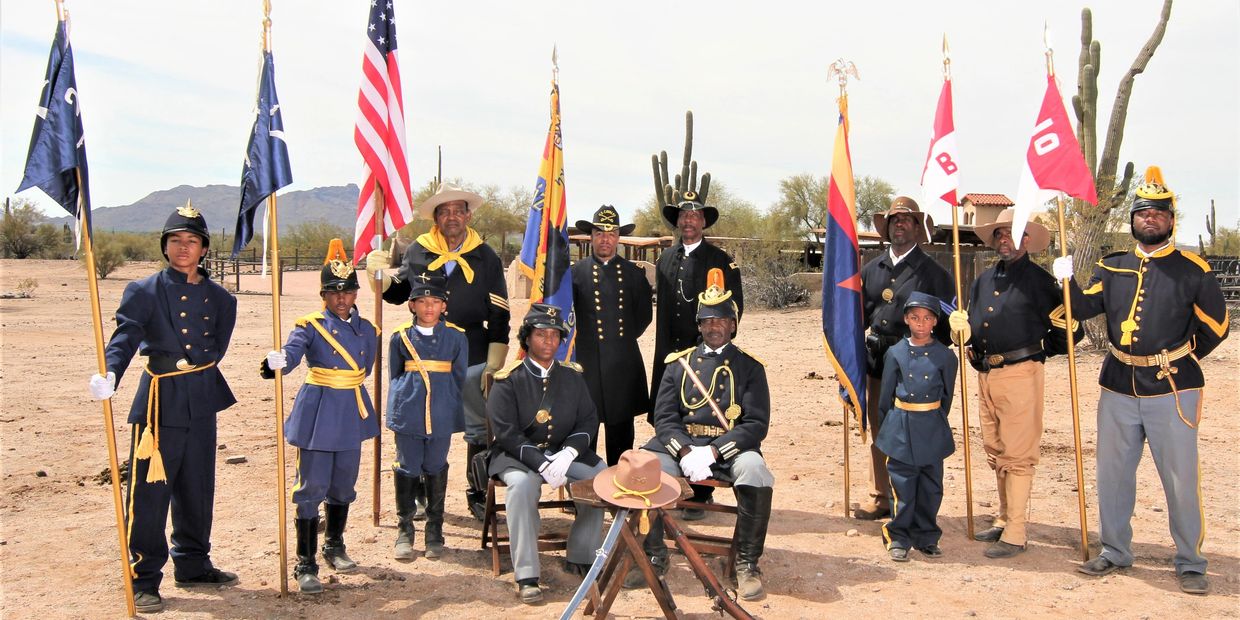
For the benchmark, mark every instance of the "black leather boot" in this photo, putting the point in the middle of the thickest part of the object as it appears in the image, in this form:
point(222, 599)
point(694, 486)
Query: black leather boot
point(475, 498)
point(307, 571)
point(333, 539)
point(436, 493)
point(404, 512)
point(419, 498)
point(753, 514)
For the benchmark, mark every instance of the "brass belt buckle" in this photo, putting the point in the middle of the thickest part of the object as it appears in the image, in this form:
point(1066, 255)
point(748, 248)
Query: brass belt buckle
point(183, 364)
point(994, 360)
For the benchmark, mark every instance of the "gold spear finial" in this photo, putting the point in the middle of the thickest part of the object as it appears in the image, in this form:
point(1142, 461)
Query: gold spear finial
point(1050, 52)
point(947, 59)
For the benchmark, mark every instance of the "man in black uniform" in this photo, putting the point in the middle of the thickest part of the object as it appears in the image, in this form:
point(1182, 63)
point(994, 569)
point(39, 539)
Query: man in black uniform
point(1016, 321)
point(544, 422)
point(717, 436)
point(613, 302)
point(477, 302)
point(886, 282)
point(680, 276)
point(1165, 312)
point(181, 322)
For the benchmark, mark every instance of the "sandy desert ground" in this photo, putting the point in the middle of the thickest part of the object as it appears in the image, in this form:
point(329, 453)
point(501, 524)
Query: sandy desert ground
point(58, 545)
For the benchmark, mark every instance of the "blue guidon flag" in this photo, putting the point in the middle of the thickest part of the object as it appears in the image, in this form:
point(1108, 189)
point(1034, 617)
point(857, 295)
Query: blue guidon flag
point(56, 162)
point(842, 328)
point(266, 168)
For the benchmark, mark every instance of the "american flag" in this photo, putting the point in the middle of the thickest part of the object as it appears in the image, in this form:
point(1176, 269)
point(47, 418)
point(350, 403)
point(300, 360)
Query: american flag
point(380, 133)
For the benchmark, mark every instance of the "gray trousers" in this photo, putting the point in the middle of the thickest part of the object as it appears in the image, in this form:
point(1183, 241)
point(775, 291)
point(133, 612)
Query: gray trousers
point(1125, 423)
point(475, 406)
point(521, 501)
point(748, 469)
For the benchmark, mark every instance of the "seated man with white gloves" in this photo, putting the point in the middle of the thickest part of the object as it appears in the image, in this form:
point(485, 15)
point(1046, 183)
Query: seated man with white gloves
point(718, 435)
point(544, 422)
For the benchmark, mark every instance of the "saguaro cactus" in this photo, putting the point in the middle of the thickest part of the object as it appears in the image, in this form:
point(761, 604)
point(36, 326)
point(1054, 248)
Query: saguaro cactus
point(669, 193)
point(1211, 221)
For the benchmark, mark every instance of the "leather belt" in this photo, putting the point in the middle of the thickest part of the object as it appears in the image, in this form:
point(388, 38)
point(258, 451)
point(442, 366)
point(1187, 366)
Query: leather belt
point(163, 364)
point(705, 430)
point(1157, 360)
point(997, 360)
point(919, 407)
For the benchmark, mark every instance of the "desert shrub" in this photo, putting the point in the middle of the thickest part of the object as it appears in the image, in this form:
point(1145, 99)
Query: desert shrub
point(109, 256)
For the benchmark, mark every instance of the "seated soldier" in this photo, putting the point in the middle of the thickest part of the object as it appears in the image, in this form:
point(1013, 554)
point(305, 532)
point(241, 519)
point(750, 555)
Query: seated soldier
point(701, 437)
point(544, 422)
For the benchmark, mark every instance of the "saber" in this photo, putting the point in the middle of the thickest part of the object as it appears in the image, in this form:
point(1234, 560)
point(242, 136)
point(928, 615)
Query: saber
point(618, 523)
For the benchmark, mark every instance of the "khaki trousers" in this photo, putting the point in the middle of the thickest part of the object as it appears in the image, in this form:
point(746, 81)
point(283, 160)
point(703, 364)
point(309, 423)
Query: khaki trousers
point(1011, 413)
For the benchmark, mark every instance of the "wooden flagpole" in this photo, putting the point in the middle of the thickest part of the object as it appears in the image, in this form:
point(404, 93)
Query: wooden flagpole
point(1067, 318)
point(273, 233)
point(840, 69)
point(377, 394)
point(108, 422)
point(964, 383)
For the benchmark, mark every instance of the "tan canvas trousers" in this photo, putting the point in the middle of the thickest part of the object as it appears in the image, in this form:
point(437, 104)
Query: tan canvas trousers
point(1011, 412)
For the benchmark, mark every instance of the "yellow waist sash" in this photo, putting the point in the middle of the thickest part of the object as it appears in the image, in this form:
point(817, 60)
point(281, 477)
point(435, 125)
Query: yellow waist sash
point(919, 407)
point(428, 366)
point(341, 380)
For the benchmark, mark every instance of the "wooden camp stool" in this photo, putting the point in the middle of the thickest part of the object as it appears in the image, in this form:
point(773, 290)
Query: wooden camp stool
point(606, 588)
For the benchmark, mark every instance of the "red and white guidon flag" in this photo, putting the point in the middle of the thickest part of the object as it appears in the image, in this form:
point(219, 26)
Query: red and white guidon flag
point(1053, 162)
point(940, 178)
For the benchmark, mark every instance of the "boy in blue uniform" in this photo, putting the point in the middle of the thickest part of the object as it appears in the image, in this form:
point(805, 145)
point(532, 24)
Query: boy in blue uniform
point(427, 360)
point(331, 416)
point(182, 322)
point(919, 375)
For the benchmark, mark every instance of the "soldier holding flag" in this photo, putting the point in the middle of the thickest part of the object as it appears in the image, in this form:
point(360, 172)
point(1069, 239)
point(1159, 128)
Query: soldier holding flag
point(182, 322)
point(1164, 311)
point(331, 416)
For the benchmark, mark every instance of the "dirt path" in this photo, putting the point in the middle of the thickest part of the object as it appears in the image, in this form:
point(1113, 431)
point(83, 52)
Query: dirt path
point(59, 557)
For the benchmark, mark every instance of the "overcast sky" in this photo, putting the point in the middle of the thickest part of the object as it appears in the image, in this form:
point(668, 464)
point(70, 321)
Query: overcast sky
point(168, 90)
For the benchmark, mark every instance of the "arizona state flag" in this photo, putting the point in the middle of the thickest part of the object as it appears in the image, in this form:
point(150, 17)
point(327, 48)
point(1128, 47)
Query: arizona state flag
point(842, 328)
point(544, 252)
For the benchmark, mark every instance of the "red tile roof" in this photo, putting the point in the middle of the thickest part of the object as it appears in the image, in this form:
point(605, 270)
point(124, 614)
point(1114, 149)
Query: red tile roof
point(989, 200)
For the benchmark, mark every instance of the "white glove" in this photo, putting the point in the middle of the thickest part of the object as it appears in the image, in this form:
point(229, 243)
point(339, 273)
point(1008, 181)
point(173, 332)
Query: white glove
point(1062, 267)
point(550, 476)
point(277, 360)
point(102, 388)
point(558, 467)
point(958, 320)
point(378, 260)
point(696, 464)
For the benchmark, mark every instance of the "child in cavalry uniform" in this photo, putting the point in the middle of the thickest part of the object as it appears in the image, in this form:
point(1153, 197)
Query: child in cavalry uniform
point(331, 416)
point(919, 375)
point(427, 361)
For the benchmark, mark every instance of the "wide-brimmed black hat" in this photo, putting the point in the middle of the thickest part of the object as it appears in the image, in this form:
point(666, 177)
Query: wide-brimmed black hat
point(337, 273)
point(716, 301)
point(605, 219)
point(185, 219)
point(689, 202)
point(1153, 193)
point(428, 284)
point(918, 299)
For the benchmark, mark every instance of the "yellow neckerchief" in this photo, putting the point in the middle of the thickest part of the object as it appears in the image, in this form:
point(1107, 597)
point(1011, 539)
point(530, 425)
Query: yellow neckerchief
point(433, 241)
point(1129, 325)
point(423, 369)
point(644, 524)
point(335, 378)
point(148, 446)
